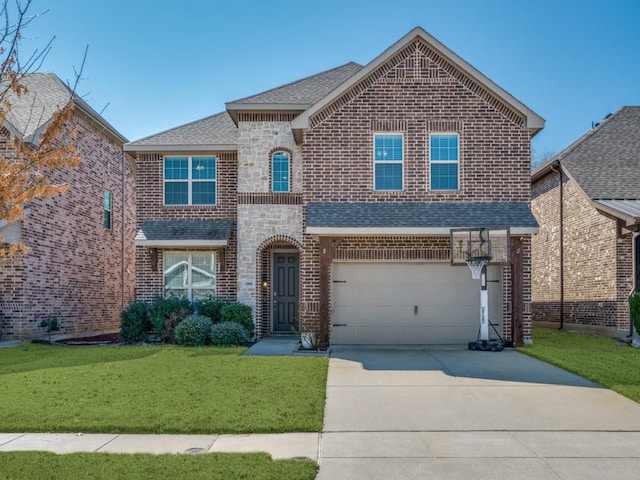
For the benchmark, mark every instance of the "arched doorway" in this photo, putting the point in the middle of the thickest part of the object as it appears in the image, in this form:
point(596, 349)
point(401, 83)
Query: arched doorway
point(278, 285)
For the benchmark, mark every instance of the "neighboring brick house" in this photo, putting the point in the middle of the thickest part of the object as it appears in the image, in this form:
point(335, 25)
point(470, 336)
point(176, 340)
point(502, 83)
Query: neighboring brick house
point(329, 202)
point(587, 201)
point(80, 264)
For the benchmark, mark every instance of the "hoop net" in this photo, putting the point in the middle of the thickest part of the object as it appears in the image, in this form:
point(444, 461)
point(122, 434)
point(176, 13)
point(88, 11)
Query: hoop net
point(475, 264)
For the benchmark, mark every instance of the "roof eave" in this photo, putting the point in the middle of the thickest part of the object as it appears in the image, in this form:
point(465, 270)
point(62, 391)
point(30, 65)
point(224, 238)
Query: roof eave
point(180, 243)
point(213, 147)
point(629, 220)
point(534, 123)
point(359, 231)
point(234, 108)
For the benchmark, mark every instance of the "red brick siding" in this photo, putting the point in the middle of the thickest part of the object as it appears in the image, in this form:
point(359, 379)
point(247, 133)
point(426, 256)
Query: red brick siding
point(73, 268)
point(598, 274)
point(151, 207)
point(416, 93)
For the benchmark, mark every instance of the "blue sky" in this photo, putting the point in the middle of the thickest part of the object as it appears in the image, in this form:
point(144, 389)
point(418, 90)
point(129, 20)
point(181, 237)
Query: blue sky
point(155, 65)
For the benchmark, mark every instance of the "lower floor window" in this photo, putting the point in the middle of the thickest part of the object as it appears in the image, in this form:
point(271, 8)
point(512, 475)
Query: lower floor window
point(189, 274)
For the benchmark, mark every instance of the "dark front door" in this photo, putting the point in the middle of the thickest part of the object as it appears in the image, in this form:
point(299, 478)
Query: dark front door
point(286, 272)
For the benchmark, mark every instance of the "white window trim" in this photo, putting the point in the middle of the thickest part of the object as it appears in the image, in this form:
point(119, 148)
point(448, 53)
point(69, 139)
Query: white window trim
point(189, 288)
point(190, 181)
point(288, 154)
point(443, 162)
point(393, 162)
point(105, 210)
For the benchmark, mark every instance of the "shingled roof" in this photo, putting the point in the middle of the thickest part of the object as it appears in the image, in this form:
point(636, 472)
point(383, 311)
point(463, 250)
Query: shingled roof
point(163, 233)
point(303, 92)
point(605, 162)
point(418, 217)
point(217, 132)
point(46, 94)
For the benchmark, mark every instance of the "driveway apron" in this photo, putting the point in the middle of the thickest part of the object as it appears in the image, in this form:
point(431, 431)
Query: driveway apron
point(449, 413)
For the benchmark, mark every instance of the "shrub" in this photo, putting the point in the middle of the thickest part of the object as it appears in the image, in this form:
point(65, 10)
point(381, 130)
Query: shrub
point(134, 322)
point(238, 313)
point(634, 305)
point(211, 307)
point(165, 313)
point(194, 331)
point(228, 334)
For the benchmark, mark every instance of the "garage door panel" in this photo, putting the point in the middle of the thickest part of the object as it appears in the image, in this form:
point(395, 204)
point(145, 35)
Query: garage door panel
point(375, 303)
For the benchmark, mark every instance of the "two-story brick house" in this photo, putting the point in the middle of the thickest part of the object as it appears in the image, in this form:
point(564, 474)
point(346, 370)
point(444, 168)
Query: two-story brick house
point(586, 258)
point(330, 201)
point(80, 264)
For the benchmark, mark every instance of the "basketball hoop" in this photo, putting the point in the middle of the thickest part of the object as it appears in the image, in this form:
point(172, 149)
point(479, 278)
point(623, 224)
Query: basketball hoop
point(475, 264)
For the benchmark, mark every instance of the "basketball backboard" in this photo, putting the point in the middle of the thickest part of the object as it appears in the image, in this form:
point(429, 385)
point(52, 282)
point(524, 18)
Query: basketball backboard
point(488, 242)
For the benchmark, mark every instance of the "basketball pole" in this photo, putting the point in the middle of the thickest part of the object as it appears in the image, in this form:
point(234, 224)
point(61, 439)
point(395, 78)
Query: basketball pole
point(484, 305)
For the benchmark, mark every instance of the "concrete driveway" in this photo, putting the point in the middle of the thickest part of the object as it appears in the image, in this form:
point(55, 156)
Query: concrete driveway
point(442, 413)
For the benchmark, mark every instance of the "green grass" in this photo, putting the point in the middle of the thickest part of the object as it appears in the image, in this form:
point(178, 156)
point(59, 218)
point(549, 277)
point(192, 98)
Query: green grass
point(599, 359)
point(99, 466)
point(158, 390)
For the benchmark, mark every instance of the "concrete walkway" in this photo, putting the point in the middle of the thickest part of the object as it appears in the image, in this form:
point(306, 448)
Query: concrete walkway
point(283, 445)
point(456, 414)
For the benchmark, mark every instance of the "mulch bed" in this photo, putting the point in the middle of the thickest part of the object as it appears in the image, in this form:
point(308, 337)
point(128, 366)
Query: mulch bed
point(104, 339)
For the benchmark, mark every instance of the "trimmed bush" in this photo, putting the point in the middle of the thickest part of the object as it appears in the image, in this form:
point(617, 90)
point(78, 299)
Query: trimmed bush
point(238, 313)
point(228, 334)
point(634, 305)
point(134, 322)
point(211, 307)
point(165, 313)
point(194, 331)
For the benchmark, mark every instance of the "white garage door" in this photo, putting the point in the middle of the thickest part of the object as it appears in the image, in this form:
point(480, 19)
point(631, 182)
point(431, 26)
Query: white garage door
point(410, 303)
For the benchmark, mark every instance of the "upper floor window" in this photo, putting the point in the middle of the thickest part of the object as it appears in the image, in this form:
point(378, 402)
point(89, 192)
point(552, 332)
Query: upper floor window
point(444, 155)
point(388, 158)
point(280, 172)
point(189, 180)
point(107, 210)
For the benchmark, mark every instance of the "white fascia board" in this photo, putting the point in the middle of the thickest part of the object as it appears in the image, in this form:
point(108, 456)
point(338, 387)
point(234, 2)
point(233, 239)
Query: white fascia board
point(181, 148)
point(524, 230)
point(181, 243)
point(359, 231)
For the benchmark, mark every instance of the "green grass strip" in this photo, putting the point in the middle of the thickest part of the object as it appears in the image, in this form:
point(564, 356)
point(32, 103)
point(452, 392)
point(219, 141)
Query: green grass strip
point(158, 390)
point(598, 359)
point(107, 466)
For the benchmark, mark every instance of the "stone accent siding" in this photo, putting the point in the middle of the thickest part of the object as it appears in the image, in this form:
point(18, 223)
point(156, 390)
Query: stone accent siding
point(598, 269)
point(151, 207)
point(256, 141)
point(256, 224)
point(75, 269)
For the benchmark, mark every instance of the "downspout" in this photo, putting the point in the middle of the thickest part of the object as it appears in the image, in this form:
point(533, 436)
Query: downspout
point(123, 228)
point(556, 167)
point(635, 287)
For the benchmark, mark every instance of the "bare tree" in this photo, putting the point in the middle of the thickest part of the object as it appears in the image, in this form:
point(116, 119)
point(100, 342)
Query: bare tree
point(540, 157)
point(27, 164)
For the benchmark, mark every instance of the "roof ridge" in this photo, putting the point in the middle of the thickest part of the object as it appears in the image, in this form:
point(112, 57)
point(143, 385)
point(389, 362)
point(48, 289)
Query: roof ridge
point(296, 81)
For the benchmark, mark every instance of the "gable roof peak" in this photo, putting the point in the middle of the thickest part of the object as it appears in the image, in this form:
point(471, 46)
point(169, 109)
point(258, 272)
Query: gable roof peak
point(533, 122)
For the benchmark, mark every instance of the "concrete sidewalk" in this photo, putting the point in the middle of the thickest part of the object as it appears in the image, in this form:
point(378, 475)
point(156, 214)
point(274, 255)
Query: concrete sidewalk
point(279, 446)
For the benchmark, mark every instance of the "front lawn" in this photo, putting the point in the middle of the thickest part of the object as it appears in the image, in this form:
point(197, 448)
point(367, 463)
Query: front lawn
point(599, 359)
point(107, 466)
point(158, 390)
